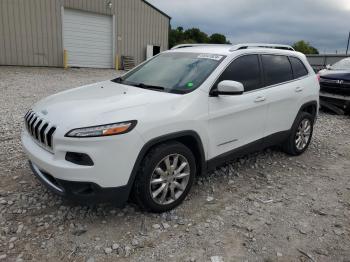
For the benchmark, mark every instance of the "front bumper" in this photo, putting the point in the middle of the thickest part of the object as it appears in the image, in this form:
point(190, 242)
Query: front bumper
point(109, 178)
point(81, 192)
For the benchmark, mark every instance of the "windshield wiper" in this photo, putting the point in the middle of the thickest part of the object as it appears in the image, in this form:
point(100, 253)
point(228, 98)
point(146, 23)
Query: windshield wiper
point(144, 86)
point(118, 80)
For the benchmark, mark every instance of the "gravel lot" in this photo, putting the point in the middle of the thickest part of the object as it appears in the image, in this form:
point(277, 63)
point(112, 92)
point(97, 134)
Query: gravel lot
point(264, 207)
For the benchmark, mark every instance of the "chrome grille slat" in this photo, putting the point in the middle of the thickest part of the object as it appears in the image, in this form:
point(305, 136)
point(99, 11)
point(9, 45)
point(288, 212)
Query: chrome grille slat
point(32, 125)
point(49, 136)
point(45, 134)
point(36, 128)
point(26, 115)
point(30, 122)
point(30, 115)
point(40, 130)
point(29, 119)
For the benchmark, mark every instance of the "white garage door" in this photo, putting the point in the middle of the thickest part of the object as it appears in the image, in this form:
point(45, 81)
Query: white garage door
point(88, 38)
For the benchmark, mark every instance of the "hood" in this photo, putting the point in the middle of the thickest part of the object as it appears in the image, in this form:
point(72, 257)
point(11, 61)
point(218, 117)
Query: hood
point(336, 74)
point(99, 103)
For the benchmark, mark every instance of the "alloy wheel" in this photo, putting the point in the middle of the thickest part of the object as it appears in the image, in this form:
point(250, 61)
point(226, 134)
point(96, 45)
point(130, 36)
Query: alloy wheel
point(170, 179)
point(303, 134)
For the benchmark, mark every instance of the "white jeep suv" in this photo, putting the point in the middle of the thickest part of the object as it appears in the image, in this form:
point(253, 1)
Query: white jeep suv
point(147, 134)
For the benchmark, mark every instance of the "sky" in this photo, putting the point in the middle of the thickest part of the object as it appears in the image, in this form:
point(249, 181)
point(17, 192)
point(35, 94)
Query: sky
point(323, 23)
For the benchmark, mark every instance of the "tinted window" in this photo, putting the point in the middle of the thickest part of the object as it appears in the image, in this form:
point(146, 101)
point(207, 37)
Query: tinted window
point(277, 69)
point(299, 69)
point(246, 70)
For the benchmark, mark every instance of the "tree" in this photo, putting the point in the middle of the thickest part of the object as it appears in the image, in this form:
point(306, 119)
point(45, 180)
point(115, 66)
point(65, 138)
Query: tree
point(305, 47)
point(194, 35)
point(176, 36)
point(218, 39)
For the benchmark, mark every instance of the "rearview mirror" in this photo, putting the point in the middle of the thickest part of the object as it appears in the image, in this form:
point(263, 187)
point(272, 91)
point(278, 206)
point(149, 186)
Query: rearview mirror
point(228, 88)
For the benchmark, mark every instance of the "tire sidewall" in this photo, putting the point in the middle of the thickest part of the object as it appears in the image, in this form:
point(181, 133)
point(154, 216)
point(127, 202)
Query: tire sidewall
point(157, 155)
point(300, 118)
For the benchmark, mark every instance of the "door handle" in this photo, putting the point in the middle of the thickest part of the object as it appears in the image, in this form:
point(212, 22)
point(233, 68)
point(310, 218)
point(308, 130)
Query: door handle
point(299, 89)
point(260, 99)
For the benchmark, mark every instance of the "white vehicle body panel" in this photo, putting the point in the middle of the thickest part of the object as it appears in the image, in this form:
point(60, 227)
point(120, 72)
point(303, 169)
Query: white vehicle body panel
point(235, 121)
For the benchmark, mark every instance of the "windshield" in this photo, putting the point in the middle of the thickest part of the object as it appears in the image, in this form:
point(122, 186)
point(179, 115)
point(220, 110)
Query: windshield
point(342, 65)
point(173, 72)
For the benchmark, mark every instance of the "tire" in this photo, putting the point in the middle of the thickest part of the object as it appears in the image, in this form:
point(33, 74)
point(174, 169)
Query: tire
point(291, 146)
point(155, 172)
point(347, 111)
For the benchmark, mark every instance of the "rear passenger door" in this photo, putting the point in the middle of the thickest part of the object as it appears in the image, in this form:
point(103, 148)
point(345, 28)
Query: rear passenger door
point(282, 92)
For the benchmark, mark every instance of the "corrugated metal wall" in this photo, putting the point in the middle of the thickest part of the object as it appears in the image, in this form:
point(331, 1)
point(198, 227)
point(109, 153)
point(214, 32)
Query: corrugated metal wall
point(31, 30)
point(319, 62)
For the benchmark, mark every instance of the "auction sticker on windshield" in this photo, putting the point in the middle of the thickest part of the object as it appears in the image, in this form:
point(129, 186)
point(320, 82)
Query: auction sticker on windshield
point(210, 56)
point(190, 84)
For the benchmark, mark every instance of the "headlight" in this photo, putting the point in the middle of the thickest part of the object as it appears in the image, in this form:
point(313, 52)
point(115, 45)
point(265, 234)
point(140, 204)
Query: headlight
point(103, 130)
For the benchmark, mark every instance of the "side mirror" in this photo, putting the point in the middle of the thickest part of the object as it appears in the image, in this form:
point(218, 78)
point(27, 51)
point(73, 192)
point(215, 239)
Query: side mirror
point(230, 88)
point(328, 67)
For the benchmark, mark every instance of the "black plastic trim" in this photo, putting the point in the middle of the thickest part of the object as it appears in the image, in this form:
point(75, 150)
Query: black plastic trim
point(81, 159)
point(255, 146)
point(215, 93)
point(165, 138)
point(311, 103)
point(86, 192)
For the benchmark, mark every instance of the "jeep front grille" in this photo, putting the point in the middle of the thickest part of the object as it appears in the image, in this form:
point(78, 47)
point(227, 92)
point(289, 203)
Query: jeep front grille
point(40, 130)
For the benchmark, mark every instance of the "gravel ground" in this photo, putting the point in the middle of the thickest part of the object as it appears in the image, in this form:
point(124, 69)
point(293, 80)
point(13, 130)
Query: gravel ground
point(264, 207)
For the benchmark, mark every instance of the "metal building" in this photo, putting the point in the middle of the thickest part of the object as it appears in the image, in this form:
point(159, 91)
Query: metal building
point(94, 33)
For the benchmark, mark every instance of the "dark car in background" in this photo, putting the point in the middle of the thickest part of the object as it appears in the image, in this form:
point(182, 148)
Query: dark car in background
point(335, 86)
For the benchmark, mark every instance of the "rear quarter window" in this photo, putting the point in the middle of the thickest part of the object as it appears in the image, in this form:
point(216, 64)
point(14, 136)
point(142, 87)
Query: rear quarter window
point(277, 69)
point(299, 69)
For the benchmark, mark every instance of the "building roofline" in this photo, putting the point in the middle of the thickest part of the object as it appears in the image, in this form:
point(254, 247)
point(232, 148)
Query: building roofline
point(157, 9)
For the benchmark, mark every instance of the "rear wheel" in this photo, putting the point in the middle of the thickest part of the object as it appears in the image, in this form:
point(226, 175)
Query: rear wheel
point(300, 136)
point(165, 177)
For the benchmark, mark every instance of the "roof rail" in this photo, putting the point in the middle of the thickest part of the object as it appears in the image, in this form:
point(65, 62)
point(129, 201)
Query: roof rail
point(239, 46)
point(261, 45)
point(194, 45)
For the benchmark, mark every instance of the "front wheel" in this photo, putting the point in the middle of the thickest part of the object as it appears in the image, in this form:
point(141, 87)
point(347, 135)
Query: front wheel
point(301, 134)
point(165, 177)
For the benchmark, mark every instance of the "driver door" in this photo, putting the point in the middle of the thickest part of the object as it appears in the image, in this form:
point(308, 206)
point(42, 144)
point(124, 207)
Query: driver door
point(237, 120)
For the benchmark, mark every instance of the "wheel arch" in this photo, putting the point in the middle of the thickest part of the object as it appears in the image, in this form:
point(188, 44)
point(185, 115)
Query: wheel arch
point(309, 107)
point(189, 138)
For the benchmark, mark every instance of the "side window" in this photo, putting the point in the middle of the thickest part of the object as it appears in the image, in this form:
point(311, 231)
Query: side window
point(246, 70)
point(299, 69)
point(277, 69)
